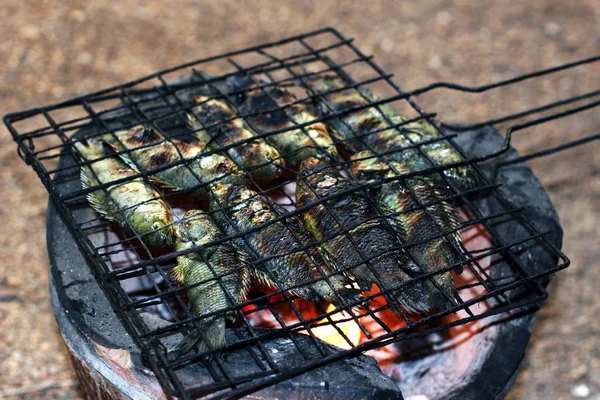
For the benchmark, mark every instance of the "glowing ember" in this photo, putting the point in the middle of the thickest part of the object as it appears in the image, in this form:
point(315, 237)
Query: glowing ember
point(329, 334)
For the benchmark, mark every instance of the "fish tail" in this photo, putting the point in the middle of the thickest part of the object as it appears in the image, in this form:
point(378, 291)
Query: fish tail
point(443, 292)
point(91, 148)
point(415, 298)
point(208, 335)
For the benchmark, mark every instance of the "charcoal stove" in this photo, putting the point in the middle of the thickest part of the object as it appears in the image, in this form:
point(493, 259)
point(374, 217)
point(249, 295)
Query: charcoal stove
point(123, 316)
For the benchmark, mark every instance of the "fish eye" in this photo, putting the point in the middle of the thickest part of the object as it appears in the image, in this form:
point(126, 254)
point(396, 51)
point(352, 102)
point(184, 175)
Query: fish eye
point(156, 226)
point(241, 97)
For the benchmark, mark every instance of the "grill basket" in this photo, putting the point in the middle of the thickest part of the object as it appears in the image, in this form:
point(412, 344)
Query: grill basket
point(120, 261)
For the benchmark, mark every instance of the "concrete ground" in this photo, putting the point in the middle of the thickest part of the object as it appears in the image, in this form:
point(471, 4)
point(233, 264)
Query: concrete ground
point(53, 50)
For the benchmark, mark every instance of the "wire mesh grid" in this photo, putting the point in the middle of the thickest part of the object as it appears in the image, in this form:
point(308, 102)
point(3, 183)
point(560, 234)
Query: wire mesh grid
point(278, 77)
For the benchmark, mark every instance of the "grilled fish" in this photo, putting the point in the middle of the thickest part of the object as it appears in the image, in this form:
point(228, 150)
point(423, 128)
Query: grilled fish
point(286, 265)
point(134, 205)
point(271, 109)
point(148, 150)
point(367, 234)
point(260, 159)
point(224, 261)
point(416, 225)
point(372, 128)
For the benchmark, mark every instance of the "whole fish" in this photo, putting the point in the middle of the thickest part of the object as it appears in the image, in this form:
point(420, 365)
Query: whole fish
point(281, 244)
point(149, 150)
point(270, 110)
point(418, 227)
point(367, 234)
point(134, 205)
point(224, 261)
point(373, 129)
point(261, 160)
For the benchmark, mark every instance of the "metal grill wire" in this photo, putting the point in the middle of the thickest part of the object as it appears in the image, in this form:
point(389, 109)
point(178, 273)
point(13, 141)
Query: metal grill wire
point(118, 258)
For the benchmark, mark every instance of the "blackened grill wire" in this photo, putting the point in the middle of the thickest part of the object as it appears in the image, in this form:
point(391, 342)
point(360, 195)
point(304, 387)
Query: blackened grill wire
point(131, 101)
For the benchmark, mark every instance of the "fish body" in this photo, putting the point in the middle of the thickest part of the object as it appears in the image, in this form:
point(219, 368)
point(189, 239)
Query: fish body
point(150, 150)
point(416, 226)
point(224, 261)
point(367, 234)
point(134, 205)
point(271, 109)
point(261, 160)
point(281, 244)
point(372, 128)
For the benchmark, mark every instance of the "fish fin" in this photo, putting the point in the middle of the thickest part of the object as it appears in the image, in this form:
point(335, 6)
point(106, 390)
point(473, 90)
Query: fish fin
point(193, 121)
point(125, 157)
point(264, 279)
point(98, 198)
point(243, 272)
point(451, 218)
point(246, 283)
point(198, 131)
point(93, 149)
point(177, 273)
point(164, 184)
point(333, 261)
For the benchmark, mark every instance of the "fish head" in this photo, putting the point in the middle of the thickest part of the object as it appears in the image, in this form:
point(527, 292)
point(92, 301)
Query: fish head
point(154, 217)
point(241, 84)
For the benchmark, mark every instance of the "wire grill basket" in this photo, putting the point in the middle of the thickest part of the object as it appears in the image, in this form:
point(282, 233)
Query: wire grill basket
point(46, 139)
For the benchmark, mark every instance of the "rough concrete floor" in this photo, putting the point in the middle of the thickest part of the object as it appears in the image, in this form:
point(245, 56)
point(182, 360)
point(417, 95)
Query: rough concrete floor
point(53, 50)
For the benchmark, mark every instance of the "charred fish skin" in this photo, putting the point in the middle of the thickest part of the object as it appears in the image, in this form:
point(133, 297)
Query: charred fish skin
point(377, 241)
point(369, 129)
point(281, 244)
point(261, 160)
point(415, 224)
point(224, 261)
point(149, 149)
point(270, 109)
point(133, 205)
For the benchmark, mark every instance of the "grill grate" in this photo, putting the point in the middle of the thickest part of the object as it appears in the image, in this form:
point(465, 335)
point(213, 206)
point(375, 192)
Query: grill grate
point(120, 261)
